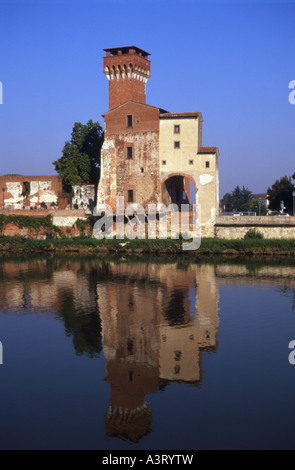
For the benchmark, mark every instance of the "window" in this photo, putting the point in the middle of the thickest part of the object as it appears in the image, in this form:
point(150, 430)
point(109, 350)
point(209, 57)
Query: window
point(130, 346)
point(129, 154)
point(177, 369)
point(163, 162)
point(176, 129)
point(207, 164)
point(141, 170)
point(129, 120)
point(130, 376)
point(176, 144)
point(191, 162)
point(26, 189)
point(177, 355)
point(130, 195)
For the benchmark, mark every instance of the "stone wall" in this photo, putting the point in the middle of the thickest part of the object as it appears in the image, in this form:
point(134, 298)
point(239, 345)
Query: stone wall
point(271, 227)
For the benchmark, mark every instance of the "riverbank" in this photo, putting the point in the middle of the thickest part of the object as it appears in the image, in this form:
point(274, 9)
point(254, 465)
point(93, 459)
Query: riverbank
point(209, 246)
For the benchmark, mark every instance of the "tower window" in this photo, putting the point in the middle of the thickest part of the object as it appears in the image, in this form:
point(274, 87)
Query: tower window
point(176, 144)
point(177, 369)
point(130, 346)
point(163, 162)
point(191, 162)
point(207, 164)
point(130, 376)
point(130, 197)
point(129, 120)
point(177, 129)
point(129, 154)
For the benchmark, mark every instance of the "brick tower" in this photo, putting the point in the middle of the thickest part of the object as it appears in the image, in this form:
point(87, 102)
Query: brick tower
point(127, 69)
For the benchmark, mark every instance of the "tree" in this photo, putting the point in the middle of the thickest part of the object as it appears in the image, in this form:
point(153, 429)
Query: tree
point(238, 200)
point(281, 190)
point(80, 160)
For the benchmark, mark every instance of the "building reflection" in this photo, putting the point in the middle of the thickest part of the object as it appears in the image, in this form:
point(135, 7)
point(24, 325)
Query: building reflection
point(152, 321)
point(157, 319)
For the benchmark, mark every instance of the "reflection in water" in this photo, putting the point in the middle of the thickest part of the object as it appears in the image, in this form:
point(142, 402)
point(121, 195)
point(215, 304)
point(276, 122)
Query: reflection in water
point(153, 321)
point(53, 286)
point(150, 336)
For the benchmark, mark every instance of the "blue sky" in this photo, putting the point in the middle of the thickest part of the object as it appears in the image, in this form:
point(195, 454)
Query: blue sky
point(231, 60)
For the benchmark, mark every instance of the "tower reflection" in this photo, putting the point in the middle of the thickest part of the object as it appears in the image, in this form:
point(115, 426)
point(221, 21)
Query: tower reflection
point(157, 319)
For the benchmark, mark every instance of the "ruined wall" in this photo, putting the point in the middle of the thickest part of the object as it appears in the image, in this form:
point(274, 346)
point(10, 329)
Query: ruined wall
point(271, 227)
point(25, 192)
point(83, 197)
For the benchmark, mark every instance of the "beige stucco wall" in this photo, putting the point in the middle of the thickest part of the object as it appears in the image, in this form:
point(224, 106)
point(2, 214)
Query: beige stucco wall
point(188, 138)
point(178, 160)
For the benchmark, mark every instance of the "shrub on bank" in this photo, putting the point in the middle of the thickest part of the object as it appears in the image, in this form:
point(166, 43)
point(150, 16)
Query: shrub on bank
point(253, 233)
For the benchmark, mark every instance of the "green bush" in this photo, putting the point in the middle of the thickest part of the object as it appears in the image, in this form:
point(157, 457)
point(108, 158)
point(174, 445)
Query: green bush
point(253, 233)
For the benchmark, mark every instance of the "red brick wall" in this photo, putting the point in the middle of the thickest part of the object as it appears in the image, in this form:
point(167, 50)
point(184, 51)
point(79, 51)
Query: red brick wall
point(125, 89)
point(141, 174)
point(122, 91)
point(145, 118)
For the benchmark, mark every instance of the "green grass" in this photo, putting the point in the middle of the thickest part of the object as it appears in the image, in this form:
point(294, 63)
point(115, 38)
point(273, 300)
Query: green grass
point(209, 246)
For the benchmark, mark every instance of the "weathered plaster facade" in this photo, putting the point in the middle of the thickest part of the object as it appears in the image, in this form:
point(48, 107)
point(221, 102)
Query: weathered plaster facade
point(150, 156)
point(83, 197)
point(26, 192)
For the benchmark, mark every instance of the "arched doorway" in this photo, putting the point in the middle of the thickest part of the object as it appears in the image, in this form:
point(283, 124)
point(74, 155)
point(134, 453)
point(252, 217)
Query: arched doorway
point(179, 189)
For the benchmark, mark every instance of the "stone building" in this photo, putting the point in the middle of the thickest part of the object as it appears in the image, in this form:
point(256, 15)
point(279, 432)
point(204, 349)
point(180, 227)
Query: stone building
point(150, 155)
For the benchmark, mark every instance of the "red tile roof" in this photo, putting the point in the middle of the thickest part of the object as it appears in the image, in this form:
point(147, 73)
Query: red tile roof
point(208, 150)
point(180, 115)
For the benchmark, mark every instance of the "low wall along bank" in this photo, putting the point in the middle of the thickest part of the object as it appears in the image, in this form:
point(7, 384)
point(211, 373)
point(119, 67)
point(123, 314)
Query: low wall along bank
point(236, 227)
point(65, 220)
point(225, 227)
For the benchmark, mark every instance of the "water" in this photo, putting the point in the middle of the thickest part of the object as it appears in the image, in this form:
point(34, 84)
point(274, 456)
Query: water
point(134, 354)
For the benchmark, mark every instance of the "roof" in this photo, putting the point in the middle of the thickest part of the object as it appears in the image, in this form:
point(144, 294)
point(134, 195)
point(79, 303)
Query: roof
point(208, 149)
point(137, 49)
point(194, 114)
point(137, 102)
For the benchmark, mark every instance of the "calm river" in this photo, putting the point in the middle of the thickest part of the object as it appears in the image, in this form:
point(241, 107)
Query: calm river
point(157, 354)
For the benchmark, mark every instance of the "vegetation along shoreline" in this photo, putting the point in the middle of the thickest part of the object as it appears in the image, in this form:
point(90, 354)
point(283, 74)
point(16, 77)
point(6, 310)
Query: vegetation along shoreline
point(209, 246)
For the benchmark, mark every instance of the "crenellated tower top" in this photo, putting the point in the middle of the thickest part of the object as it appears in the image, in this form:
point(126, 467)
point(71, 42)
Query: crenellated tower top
point(127, 69)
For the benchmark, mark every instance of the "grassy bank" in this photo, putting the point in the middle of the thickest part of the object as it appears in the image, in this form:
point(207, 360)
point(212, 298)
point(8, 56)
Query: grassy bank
point(209, 246)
